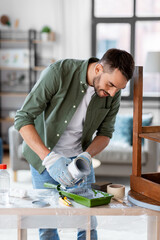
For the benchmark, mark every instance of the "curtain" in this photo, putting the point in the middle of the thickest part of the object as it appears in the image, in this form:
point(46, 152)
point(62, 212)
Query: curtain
point(73, 29)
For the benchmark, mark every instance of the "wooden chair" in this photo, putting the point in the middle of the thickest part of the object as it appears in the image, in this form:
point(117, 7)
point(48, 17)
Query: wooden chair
point(148, 184)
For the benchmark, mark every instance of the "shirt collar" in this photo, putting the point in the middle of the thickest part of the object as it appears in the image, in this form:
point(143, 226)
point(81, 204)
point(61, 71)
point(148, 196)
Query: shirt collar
point(83, 70)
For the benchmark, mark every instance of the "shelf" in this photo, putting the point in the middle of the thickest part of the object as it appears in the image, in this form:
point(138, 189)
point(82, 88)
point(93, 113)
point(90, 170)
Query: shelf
point(150, 129)
point(151, 133)
point(145, 186)
point(39, 68)
point(14, 69)
point(155, 136)
point(7, 119)
point(13, 41)
point(51, 39)
point(11, 91)
point(42, 42)
point(11, 94)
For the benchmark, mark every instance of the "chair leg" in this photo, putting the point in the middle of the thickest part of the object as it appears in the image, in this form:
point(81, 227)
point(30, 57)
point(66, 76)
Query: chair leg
point(15, 176)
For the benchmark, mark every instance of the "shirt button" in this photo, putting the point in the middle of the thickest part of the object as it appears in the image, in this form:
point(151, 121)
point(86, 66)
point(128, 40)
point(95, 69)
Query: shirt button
point(49, 148)
point(74, 106)
point(65, 121)
point(82, 91)
point(81, 82)
point(57, 134)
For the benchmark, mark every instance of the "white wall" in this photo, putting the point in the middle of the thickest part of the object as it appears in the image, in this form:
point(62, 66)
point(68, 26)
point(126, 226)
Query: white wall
point(70, 19)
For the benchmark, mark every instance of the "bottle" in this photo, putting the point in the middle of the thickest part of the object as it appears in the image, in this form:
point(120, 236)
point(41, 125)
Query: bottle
point(4, 184)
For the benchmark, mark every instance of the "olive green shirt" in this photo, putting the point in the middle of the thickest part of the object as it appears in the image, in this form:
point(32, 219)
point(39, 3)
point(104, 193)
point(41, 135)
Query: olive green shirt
point(54, 99)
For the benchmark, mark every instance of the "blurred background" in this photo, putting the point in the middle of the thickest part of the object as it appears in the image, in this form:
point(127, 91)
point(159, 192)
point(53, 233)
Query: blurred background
point(34, 34)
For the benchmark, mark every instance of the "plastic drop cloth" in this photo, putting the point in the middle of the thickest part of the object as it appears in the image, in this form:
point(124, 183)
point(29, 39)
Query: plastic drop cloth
point(22, 213)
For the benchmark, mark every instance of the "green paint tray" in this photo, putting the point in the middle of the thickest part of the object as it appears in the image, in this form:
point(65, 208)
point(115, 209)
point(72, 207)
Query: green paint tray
point(88, 198)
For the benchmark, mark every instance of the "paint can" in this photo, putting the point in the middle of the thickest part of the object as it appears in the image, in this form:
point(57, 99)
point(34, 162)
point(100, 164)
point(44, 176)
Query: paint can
point(79, 168)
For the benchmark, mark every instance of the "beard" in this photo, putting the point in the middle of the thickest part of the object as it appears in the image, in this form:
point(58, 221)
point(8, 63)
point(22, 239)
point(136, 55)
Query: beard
point(97, 89)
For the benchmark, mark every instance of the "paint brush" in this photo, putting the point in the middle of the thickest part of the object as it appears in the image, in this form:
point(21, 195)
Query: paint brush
point(65, 201)
point(119, 200)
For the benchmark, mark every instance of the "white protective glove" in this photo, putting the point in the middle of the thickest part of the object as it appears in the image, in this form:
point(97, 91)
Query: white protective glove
point(57, 167)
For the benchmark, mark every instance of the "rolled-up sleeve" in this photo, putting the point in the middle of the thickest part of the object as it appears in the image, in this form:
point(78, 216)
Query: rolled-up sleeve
point(37, 99)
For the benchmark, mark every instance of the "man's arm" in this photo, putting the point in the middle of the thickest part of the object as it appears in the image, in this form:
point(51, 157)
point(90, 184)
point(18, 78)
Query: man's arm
point(55, 164)
point(97, 145)
point(33, 140)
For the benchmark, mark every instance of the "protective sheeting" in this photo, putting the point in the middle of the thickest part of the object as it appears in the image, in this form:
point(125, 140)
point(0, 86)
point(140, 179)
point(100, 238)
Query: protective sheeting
point(21, 213)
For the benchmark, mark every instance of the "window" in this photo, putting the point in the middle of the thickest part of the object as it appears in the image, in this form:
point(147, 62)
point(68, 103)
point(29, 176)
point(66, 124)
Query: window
point(132, 25)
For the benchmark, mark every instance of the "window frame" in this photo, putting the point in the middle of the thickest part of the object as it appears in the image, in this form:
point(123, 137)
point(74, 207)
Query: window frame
point(132, 21)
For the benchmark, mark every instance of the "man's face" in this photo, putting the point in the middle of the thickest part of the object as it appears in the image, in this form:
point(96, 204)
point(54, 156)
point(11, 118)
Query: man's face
point(107, 84)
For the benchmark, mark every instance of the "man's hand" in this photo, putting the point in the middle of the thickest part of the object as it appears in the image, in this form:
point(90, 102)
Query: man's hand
point(85, 156)
point(57, 167)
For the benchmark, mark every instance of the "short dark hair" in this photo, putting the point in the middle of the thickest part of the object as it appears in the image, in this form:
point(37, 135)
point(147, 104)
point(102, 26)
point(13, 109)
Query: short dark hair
point(116, 58)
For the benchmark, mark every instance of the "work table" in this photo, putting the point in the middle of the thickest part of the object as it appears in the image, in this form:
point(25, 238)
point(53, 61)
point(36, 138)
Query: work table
point(22, 214)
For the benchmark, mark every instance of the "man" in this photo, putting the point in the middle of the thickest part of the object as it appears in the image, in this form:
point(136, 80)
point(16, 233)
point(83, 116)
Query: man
point(72, 100)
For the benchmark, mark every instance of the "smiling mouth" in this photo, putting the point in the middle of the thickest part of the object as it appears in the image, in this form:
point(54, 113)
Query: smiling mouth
point(105, 93)
point(100, 92)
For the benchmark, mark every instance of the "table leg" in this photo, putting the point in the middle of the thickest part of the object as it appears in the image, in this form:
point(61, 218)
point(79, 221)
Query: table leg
point(21, 233)
point(158, 227)
point(153, 228)
point(88, 235)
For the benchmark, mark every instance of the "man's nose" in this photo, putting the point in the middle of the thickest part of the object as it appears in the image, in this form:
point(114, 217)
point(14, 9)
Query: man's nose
point(112, 91)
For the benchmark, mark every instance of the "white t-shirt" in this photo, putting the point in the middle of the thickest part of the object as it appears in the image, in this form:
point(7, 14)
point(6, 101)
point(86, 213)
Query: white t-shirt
point(69, 143)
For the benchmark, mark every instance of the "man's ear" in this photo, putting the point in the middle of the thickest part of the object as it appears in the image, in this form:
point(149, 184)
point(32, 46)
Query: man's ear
point(98, 68)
